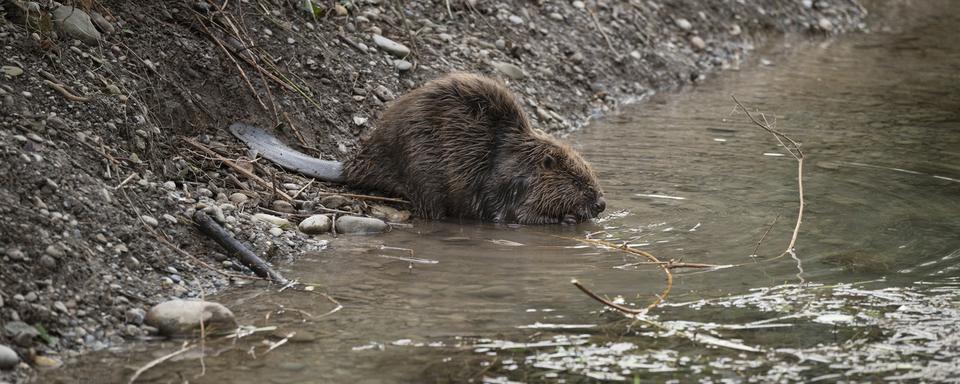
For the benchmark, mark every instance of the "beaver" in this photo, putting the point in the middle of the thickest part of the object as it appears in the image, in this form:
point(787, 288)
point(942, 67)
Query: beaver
point(458, 147)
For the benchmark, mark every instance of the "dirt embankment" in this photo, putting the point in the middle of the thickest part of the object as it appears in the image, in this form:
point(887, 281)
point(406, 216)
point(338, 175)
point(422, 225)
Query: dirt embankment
point(94, 111)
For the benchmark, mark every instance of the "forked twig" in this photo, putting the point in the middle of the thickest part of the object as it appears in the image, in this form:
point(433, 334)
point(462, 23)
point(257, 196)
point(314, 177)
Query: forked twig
point(664, 266)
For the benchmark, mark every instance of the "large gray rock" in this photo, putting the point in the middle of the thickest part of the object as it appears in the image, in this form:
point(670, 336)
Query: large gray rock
point(77, 24)
point(315, 225)
point(8, 358)
point(356, 224)
point(182, 317)
point(391, 47)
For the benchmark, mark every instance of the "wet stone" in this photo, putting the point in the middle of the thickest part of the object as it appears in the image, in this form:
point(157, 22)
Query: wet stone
point(403, 65)
point(360, 225)
point(270, 219)
point(183, 317)
point(135, 316)
point(315, 225)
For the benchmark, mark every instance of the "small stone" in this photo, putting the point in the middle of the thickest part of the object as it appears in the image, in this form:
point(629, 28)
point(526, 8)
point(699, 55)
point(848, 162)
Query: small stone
point(825, 24)
point(391, 47)
point(684, 24)
point(183, 317)
point(283, 206)
point(512, 71)
point(76, 23)
point(170, 186)
point(446, 37)
point(8, 358)
point(735, 30)
point(383, 93)
point(48, 262)
point(500, 43)
point(16, 254)
point(21, 333)
point(47, 362)
point(315, 225)
point(270, 219)
point(556, 16)
point(579, 4)
point(60, 306)
point(239, 198)
point(515, 19)
point(55, 250)
point(359, 225)
point(698, 43)
point(11, 71)
point(275, 231)
point(134, 316)
point(150, 220)
point(102, 23)
point(403, 65)
point(335, 201)
point(169, 218)
point(340, 9)
point(389, 214)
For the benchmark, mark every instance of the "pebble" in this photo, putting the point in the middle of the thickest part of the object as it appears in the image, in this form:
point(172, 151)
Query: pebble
point(391, 47)
point(340, 9)
point(47, 362)
point(16, 254)
point(403, 65)
point(76, 23)
point(334, 201)
point(315, 225)
point(512, 71)
point(182, 317)
point(684, 24)
point(170, 186)
point(579, 4)
point(270, 219)
point(48, 262)
point(359, 225)
point(698, 43)
point(556, 16)
point(383, 93)
point(515, 19)
point(169, 218)
point(825, 24)
point(55, 250)
point(735, 30)
point(276, 231)
point(8, 358)
point(283, 206)
point(11, 71)
point(150, 220)
point(239, 198)
point(102, 22)
point(135, 316)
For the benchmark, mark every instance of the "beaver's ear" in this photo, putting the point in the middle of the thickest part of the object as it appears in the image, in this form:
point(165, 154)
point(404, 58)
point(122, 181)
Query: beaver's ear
point(548, 162)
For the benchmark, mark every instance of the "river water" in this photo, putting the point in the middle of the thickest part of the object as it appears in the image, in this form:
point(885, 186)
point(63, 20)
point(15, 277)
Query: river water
point(687, 177)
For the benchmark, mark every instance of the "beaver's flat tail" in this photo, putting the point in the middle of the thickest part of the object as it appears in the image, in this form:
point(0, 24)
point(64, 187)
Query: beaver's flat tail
point(286, 157)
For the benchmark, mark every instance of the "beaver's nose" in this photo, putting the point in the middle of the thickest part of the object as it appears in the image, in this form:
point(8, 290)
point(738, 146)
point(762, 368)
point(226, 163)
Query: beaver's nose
point(600, 205)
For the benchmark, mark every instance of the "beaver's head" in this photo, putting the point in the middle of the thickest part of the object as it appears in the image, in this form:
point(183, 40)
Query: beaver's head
point(549, 183)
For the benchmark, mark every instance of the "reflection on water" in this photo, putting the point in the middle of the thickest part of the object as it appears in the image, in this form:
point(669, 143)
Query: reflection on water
point(686, 178)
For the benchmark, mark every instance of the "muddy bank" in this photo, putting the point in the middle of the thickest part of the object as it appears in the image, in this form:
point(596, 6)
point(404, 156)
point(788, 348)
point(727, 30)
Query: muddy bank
point(95, 111)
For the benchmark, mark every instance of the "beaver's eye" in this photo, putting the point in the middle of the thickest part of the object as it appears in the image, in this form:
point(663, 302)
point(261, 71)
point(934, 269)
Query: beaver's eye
point(548, 162)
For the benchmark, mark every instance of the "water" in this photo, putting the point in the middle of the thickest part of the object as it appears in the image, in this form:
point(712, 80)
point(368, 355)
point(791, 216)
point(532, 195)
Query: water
point(686, 178)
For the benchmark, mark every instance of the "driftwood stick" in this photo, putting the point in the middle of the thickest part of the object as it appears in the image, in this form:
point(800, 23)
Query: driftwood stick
point(234, 247)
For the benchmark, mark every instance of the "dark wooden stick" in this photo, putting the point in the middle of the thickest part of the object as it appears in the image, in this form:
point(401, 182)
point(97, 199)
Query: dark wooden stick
point(235, 248)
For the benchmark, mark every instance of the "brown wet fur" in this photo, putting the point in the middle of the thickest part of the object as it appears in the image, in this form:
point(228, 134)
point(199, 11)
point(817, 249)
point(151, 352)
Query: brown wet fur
point(461, 147)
